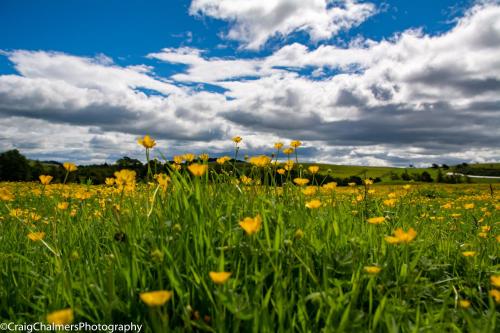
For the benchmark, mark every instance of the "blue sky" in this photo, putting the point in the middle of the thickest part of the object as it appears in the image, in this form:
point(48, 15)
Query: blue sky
point(127, 30)
point(208, 70)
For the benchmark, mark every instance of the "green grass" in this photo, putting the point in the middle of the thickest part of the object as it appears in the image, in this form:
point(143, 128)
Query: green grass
point(98, 260)
point(384, 173)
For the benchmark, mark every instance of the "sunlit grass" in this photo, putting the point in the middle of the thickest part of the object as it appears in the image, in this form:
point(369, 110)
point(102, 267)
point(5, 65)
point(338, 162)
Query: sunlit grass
point(198, 250)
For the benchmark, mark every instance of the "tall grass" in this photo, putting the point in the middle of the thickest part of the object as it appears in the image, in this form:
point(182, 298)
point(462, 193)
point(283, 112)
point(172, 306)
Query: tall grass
point(303, 271)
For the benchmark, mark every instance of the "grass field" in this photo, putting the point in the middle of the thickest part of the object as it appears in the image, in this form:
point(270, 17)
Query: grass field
point(384, 173)
point(225, 254)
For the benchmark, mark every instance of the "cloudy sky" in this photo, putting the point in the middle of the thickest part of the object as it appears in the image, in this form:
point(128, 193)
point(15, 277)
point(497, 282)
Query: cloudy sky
point(391, 82)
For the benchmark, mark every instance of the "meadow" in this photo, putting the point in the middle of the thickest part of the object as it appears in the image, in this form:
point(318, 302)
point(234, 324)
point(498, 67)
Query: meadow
point(192, 250)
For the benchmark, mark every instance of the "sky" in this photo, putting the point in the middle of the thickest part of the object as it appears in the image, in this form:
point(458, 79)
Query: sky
point(358, 82)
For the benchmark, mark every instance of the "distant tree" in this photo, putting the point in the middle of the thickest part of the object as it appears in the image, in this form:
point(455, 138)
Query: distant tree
point(355, 179)
point(445, 166)
point(56, 171)
point(405, 175)
point(127, 162)
point(14, 166)
point(394, 176)
point(426, 177)
point(36, 170)
point(439, 178)
point(435, 166)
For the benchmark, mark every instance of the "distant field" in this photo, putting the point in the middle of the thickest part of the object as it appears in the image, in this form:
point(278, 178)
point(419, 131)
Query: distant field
point(384, 173)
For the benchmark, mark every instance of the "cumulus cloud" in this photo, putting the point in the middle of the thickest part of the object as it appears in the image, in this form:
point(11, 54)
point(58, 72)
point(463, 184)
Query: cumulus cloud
point(412, 98)
point(413, 89)
point(254, 22)
point(84, 91)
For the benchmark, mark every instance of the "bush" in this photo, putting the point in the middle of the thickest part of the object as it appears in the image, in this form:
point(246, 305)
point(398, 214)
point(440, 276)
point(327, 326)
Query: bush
point(14, 166)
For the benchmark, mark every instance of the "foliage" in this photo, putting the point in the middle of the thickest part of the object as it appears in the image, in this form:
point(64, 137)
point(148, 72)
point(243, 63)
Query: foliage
point(14, 166)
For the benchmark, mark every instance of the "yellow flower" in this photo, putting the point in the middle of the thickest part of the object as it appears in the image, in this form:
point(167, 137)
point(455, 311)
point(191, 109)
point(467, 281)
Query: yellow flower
point(401, 237)
point(295, 144)
point(486, 228)
point(219, 277)
point(376, 220)
point(446, 205)
point(330, 186)
point(222, 160)
point(298, 234)
point(313, 204)
point(368, 182)
point(313, 169)
point(125, 179)
point(390, 202)
point(188, 157)
point(178, 159)
point(281, 171)
point(237, 139)
point(156, 298)
point(310, 190)
point(70, 167)
point(374, 270)
point(63, 205)
point(407, 187)
point(289, 165)
point(45, 180)
point(110, 181)
point(176, 166)
point(17, 212)
point(147, 142)
point(61, 317)
point(469, 253)
point(469, 206)
point(5, 195)
point(163, 180)
point(246, 180)
point(301, 181)
point(198, 169)
point(464, 304)
point(36, 236)
point(495, 280)
point(157, 255)
point(288, 151)
point(495, 294)
point(392, 240)
point(204, 157)
point(251, 225)
point(278, 145)
point(260, 161)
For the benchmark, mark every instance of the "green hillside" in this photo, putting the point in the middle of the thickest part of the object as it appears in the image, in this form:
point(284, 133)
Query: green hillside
point(386, 174)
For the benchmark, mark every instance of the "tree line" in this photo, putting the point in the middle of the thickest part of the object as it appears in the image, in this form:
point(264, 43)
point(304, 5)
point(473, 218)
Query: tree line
point(16, 167)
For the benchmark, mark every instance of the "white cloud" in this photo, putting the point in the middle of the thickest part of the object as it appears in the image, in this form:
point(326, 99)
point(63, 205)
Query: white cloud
point(83, 91)
point(413, 98)
point(99, 72)
point(459, 67)
point(254, 22)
